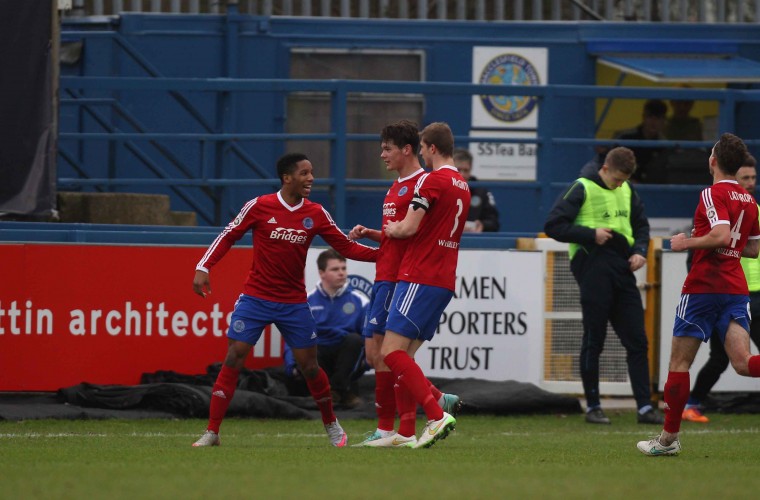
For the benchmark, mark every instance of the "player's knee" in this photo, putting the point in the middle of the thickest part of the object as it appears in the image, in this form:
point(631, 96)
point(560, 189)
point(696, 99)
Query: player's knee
point(309, 369)
point(385, 351)
point(740, 366)
point(236, 355)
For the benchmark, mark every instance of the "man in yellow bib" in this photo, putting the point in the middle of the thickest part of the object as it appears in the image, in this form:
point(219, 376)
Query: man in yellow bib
point(602, 218)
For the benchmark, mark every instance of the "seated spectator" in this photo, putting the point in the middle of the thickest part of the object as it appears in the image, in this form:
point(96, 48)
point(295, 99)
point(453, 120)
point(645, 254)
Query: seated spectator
point(650, 162)
point(483, 215)
point(339, 312)
point(680, 126)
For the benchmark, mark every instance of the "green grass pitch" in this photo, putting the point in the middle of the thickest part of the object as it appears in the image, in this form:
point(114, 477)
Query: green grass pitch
point(486, 457)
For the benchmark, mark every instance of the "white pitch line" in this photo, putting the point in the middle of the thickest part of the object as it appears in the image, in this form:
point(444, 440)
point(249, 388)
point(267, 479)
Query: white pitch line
point(38, 435)
point(265, 435)
point(638, 433)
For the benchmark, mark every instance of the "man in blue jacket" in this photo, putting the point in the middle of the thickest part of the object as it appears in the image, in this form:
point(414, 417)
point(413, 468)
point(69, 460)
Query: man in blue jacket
point(339, 312)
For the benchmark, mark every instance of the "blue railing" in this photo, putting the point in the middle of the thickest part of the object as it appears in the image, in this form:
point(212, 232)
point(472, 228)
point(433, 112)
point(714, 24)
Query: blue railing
point(211, 143)
point(124, 234)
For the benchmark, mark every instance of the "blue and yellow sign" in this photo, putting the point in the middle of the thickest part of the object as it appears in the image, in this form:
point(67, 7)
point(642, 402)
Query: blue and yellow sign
point(509, 69)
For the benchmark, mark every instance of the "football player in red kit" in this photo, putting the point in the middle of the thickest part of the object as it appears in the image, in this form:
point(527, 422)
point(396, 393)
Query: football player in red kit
point(283, 225)
point(399, 148)
point(434, 222)
point(715, 297)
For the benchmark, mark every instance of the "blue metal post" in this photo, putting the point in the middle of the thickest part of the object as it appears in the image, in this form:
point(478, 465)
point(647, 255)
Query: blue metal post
point(727, 113)
point(338, 151)
point(226, 112)
point(546, 167)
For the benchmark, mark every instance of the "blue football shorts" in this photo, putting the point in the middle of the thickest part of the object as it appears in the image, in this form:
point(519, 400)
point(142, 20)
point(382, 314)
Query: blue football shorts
point(294, 321)
point(377, 311)
point(698, 315)
point(416, 309)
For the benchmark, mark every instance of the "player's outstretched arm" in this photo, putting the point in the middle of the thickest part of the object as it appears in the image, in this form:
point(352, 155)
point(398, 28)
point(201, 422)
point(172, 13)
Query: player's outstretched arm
point(360, 231)
point(201, 283)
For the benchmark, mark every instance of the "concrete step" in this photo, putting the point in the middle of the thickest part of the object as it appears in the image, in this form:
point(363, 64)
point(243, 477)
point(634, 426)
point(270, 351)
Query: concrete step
point(120, 208)
point(180, 218)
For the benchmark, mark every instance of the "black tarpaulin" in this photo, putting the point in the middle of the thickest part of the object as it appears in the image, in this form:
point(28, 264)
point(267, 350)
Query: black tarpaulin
point(27, 136)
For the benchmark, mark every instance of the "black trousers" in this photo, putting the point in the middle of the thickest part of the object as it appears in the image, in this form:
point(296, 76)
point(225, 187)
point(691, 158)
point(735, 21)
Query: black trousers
point(609, 293)
point(339, 361)
point(718, 361)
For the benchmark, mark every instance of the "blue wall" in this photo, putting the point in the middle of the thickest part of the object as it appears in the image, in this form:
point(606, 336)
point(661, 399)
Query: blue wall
point(247, 47)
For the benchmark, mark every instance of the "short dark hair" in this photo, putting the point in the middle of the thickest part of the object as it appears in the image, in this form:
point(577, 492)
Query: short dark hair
point(731, 153)
point(439, 134)
point(655, 107)
point(401, 133)
point(621, 159)
point(328, 254)
point(461, 154)
point(287, 164)
point(749, 161)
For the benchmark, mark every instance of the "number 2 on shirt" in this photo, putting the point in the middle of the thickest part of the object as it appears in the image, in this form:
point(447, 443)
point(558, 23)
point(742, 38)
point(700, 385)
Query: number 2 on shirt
point(460, 208)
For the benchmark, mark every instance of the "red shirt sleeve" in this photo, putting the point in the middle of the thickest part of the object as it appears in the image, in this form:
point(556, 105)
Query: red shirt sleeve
point(232, 233)
point(342, 244)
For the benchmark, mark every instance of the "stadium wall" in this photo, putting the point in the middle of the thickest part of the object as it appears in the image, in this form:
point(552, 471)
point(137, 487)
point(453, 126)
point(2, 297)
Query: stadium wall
point(90, 303)
point(252, 48)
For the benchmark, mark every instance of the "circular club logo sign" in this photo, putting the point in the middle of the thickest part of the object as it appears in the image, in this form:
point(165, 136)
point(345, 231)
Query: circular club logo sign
point(509, 69)
point(360, 284)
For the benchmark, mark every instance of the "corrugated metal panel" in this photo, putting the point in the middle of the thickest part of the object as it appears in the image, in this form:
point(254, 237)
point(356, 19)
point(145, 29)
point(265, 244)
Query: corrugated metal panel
point(703, 11)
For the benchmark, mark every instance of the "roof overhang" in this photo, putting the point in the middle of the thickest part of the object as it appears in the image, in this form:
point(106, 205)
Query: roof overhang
point(691, 68)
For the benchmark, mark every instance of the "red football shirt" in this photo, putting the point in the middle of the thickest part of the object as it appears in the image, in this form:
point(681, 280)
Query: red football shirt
point(719, 270)
point(395, 206)
point(281, 237)
point(431, 257)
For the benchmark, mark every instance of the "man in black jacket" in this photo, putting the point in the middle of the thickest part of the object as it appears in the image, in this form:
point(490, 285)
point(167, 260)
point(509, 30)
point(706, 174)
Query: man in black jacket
point(483, 215)
point(602, 218)
point(650, 161)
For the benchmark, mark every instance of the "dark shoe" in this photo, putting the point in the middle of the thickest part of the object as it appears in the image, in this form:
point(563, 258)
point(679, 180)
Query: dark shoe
point(336, 399)
point(651, 417)
point(597, 416)
point(350, 400)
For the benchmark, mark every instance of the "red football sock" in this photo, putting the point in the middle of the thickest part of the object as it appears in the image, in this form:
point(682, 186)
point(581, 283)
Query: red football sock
point(319, 387)
point(754, 366)
point(676, 395)
point(434, 391)
point(407, 410)
point(385, 400)
point(411, 376)
point(221, 396)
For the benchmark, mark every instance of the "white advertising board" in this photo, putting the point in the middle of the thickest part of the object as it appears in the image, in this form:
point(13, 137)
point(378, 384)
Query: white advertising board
point(503, 161)
point(492, 328)
point(507, 66)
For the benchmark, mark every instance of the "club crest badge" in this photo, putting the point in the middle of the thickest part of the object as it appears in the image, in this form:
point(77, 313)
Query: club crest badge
point(509, 69)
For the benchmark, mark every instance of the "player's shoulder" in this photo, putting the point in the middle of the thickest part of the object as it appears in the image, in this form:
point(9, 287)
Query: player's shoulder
point(310, 208)
point(314, 214)
point(264, 200)
point(438, 176)
point(413, 178)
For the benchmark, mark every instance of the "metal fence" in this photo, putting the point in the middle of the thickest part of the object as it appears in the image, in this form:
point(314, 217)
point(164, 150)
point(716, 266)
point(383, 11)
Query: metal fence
point(701, 11)
point(563, 329)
